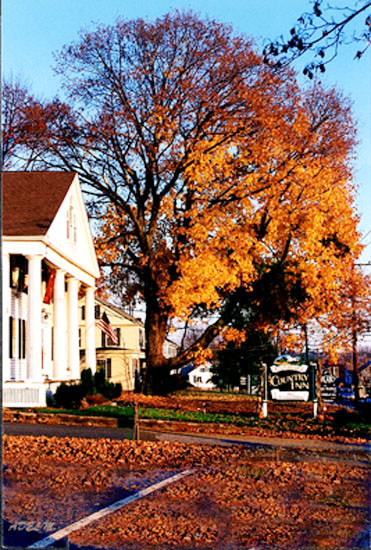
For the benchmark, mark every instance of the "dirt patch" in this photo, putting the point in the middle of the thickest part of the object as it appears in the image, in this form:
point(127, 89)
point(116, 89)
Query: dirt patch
point(236, 498)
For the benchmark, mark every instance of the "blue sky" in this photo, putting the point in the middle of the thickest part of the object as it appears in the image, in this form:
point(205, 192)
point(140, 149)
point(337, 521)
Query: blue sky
point(33, 29)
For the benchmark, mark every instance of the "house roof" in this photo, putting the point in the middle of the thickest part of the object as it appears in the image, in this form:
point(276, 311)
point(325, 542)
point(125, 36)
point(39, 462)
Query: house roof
point(31, 201)
point(119, 311)
point(187, 369)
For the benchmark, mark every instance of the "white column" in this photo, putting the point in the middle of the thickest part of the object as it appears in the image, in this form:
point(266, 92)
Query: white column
point(5, 316)
point(60, 340)
point(73, 328)
point(47, 345)
point(90, 330)
point(34, 333)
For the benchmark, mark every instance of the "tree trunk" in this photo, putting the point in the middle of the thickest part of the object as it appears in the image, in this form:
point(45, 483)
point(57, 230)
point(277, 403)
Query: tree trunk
point(156, 379)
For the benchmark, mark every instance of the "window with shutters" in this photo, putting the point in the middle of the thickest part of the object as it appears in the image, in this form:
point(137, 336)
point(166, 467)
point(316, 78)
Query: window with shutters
point(108, 369)
point(105, 364)
point(11, 337)
point(24, 334)
point(107, 341)
point(21, 339)
point(118, 335)
point(71, 224)
point(141, 339)
point(18, 276)
point(17, 338)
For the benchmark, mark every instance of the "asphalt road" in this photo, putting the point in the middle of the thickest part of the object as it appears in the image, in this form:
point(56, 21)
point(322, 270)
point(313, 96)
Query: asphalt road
point(60, 430)
point(95, 432)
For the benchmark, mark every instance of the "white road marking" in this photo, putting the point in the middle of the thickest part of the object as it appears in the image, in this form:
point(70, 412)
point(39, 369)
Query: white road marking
point(58, 535)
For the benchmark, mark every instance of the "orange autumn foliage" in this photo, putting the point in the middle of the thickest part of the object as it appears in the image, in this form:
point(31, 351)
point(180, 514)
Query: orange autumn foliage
point(206, 169)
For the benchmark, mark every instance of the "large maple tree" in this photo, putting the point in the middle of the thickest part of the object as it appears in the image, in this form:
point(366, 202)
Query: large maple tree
point(17, 108)
point(208, 171)
point(322, 31)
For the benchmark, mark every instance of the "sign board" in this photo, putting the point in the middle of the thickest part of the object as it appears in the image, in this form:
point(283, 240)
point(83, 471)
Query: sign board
point(328, 387)
point(288, 381)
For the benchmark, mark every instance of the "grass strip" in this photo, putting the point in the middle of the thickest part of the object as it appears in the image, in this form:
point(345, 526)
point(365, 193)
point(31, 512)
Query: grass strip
point(276, 421)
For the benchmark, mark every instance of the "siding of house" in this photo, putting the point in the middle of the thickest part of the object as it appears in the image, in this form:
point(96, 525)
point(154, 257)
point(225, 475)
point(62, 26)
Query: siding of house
point(120, 361)
point(200, 377)
point(46, 244)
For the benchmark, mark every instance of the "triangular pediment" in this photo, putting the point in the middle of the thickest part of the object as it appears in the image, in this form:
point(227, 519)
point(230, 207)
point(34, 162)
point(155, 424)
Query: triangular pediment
point(70, 234)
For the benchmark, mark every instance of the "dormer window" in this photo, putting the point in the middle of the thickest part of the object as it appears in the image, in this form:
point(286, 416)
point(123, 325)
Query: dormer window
point(141, 339)
point(18, 273)
point(71, 224)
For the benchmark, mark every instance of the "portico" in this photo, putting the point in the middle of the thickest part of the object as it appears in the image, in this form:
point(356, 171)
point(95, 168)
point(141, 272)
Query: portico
point(44, 277)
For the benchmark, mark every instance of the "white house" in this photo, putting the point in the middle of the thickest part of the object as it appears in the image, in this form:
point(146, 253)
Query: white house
point(200, 377)
point(49, 264)
point(170, 349)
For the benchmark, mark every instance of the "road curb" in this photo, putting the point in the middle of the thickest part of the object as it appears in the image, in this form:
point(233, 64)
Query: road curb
point(224, 432)
point(32, 417)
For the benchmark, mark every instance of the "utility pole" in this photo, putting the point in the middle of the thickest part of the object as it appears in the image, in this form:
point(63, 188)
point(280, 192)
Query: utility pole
point(355, 338)
point(305, 328)
point(355, 365)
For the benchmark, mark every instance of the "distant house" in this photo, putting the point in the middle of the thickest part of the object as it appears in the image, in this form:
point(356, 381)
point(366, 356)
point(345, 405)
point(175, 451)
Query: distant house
point(170, 349)
point(200, 377)
point(49, 265)
point(122, 355)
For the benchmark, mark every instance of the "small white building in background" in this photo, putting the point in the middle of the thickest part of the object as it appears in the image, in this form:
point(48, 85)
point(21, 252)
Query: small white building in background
point(49, 264)
point(200, 377)
point(170, 349)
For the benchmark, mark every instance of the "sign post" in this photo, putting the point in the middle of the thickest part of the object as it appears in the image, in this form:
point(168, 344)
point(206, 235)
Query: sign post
point(328, 386)
point(289, 381)
point(265, 392)
point(314, 390)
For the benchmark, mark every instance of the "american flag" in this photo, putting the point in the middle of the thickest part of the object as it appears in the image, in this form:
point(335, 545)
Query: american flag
point(49, 287)
point(106, 327)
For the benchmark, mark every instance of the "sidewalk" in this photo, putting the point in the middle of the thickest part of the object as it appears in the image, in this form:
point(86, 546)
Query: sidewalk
point(86, 426)
point(258, 441)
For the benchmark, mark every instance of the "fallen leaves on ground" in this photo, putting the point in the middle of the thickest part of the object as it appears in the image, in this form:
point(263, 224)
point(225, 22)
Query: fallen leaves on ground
point(237, 497)
point(293, 420)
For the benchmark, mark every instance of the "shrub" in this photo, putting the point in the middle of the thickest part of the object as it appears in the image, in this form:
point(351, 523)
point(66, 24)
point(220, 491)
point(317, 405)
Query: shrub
point(87, 381)
point(95, 399)
point(343, 417)
point(364, 409)
point(178, 382)
point(50, 399)
point(69, 396)
point(99, 380)
point(110, 390)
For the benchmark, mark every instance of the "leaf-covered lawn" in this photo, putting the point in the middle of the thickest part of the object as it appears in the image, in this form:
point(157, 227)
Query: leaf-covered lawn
point(235, 498)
